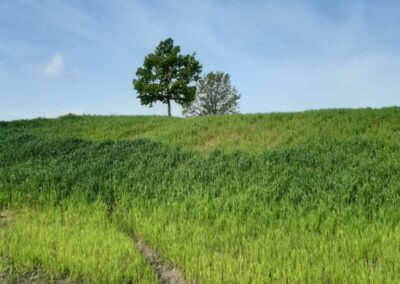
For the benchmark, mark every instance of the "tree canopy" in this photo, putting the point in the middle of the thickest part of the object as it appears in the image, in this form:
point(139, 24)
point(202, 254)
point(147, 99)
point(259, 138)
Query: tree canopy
point(215, 95)
point(167, 75)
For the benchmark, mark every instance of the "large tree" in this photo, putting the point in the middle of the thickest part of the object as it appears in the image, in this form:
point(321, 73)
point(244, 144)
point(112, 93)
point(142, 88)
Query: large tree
point(167, 76)
point(215, 95)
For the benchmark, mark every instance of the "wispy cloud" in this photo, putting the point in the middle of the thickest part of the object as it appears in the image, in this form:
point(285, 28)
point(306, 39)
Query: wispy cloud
point(55, 66)
point(281, 54)
point(52, 68)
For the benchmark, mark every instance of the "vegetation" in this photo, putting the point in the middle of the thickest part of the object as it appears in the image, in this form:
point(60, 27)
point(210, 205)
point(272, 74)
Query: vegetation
point(72, 241)
point(167, 76)
point(253, 133)
point(298, 197)
point(215, 96)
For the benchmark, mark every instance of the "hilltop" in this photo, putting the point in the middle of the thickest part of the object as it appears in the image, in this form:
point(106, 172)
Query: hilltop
point(249, 132)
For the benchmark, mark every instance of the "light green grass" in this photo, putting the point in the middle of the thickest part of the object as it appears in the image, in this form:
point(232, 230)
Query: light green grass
point(2, 267)
point(73, 242)
point(320, 247)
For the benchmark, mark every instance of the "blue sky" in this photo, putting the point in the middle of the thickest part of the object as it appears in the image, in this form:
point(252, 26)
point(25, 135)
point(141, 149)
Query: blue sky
point(79, 56)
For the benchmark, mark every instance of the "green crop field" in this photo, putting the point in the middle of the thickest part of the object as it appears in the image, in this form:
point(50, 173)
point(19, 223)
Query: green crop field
point(309, 197)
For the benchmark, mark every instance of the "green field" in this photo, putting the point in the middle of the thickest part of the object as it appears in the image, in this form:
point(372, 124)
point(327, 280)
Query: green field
point(309, 197)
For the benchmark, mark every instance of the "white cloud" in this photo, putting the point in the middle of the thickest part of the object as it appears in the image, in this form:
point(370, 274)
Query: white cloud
point(55, 66)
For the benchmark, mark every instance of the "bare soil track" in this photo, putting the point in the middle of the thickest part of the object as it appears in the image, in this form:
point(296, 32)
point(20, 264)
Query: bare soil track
point(167, 274)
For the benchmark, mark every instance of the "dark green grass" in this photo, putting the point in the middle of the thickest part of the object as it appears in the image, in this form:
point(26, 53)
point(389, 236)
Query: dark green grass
point(319, 205)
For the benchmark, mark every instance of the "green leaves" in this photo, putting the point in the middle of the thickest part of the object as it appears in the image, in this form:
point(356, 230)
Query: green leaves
point(167, 76)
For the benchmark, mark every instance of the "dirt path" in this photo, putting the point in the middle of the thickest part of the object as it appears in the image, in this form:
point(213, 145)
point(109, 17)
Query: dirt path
point(166, 273)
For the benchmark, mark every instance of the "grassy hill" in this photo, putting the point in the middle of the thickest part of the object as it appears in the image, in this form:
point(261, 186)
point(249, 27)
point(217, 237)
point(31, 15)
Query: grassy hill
point(288, 197)
point(251, 132)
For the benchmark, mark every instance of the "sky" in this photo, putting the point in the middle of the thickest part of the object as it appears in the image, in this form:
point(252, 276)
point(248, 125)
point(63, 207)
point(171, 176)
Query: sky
point(80, 56)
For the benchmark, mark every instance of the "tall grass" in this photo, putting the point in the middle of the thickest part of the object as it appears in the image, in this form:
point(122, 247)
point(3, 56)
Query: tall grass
point(74, 242)
point(319, 247)
point(308, 197)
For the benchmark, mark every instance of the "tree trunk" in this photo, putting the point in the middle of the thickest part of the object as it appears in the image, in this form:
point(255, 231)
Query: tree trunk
point(169, 107)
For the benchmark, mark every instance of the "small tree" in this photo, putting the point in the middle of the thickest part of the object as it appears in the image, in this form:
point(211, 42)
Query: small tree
point(167, 76)
point(215, 95)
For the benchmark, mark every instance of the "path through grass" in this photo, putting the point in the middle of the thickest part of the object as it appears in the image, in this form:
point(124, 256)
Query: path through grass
point(74, 242)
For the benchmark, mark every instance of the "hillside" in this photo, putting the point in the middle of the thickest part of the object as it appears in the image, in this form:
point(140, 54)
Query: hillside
point(288, 197)
point(251, 132)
